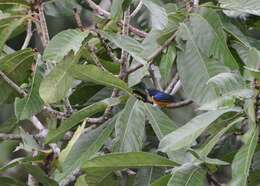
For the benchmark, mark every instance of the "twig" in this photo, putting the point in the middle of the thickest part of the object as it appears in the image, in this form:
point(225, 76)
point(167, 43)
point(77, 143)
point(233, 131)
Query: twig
point(57, 114)
point(155, 54)
point(172, 84)
point(77, 18)
point(12, 84)
point(176, 88)
point(107, 15)
point(68, 107)
point(137, 9)
point(72, 178)
point(155, 80)
point(4, 136)
point(212, 179)
point(179, 104)
point(108, 49)
point(28, 35)
point(95, 58)
point(44, 27)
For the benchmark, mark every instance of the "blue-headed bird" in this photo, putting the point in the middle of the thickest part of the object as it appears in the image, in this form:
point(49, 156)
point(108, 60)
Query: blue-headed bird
point(159, 98)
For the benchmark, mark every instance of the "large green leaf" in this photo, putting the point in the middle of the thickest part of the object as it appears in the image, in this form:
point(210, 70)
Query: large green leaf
point(158, 14)
point(162, 180)
point(187, 175)
point(187, 134)
point(93, 74)
point(246, 6)
point(7, 31)
point(99, 167)
point(17, 67)
point(133, 47)
point(84, 148)
point(56, 84)
point(62, 43)
point(32, 103)
point(160, 122)
point(215, 45)
point(242, 160)
point(195, 68)
point(79, 116)
point(166, 64)
point(11, 182)
point(219, 131)
point(130, 127)
point(39, 174)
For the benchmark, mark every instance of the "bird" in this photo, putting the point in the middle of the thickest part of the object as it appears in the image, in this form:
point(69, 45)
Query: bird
point(159, 98)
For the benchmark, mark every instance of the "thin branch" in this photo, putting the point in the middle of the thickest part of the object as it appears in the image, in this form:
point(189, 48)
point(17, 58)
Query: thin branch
point(108, 49)
point(68, 107)
point(77, 18)
point(43, 24)
point(12, 84)
point(28, 35)
point(4, 136)
point(172, 84)
point(179, 104)
point(153, 76)
point(95, 58)
point(57, 114)
point(155, 54)
point(71, 178)
point(176, 88)
point(107, 15)
point(137, 9)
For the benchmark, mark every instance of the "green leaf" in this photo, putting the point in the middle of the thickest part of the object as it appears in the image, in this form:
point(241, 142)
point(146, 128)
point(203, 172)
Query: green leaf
point(219, 131)
point(160, 122)
point(93, 74)
point(254, 73)
point(9, 125)
point(130, 127)
point(250, 6)
point(133, 47)
point(195, 69)
point(158, 15)
point(143, 177)
point(28, 144)
point(62, 43)
point(15, 2)
point(117, 8)
point(79, 116)
point(97, 168)
point(17, 67)
point(215, 44)
point(10, 181)
point(32, 103)
point(87, 145)
point(7, 31)
point(187, 134)
point(242, 160)
point(81, 181)
point(64, 153)
point(136, 77)
point(166, 64)
point(162, 180)
point(39, 174)
point(56, 84)
point(187, 175)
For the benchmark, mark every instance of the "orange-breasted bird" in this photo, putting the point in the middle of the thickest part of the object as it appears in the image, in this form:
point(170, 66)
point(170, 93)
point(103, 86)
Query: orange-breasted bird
point(159, 98)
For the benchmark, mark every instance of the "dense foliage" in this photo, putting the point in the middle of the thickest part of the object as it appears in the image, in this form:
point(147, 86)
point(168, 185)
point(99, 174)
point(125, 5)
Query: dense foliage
point(74, 111)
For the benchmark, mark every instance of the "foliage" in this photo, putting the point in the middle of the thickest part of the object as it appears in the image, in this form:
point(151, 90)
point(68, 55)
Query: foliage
point(73, 109)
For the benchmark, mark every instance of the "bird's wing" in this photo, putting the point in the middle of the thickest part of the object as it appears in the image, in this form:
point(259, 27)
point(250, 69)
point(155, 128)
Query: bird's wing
point(160, 96)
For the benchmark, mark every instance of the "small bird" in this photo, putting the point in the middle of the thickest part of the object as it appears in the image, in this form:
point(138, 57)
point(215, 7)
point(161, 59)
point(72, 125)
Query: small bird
point(159, 98)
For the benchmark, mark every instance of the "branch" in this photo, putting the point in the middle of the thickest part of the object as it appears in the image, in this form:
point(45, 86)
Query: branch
point(179, 104)
point(12, 84)
point(155, 54)
point(172, 84)
point(137, 9)
point(176, 88)
point(4, 136)
point(155, 80)
point(107, 15)
point(28, 35)
point(77, 18)
point(44, 27)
